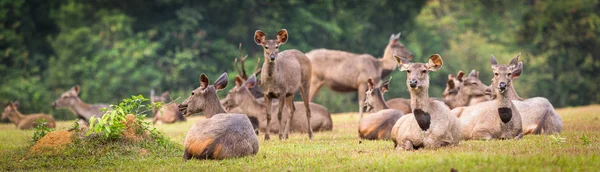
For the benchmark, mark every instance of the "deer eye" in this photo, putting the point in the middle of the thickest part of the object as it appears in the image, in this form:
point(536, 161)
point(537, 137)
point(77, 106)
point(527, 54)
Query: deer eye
point(276, 47)
point(192, 93)
point(266, 47)
point(408, 71)
point(496, 74)
point(424, 71)
point(509, 74)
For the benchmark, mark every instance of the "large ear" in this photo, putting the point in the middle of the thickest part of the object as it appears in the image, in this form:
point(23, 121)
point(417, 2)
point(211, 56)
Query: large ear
point(385, 85)
point(221, 82)
point(493, 61)
point(474, 74)
point(435, 62)
point(238, 81)
point(403, 63)
point(16, 103)
point(165, 94)
point(516, 72)
point(76, 89)
point(12, 106)
point(460, 76)
point(259, 37)
point(370, 84)
point(450, 84)
point(251, 82)
point(450, 77)
point(515, 60)
point(282, 36)
point(203, 81)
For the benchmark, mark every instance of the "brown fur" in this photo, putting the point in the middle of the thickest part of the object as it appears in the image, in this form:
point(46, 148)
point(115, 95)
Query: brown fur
point(83, 111)
point(378, 125)
point(469, 91)
point(411, 131)
point(342, 71)
point(168, 113)
point(283, 74)
point(221, 135)
point(25, 122)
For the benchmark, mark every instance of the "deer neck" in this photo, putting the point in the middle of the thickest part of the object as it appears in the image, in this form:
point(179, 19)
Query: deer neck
point(387, 62)
point(504, 105)
point(269, 68)
point(82, 109)
point(214, 108)
point(254, 108)
point(461, 99)
point(511, 93)
point(419, 102)
point(16, 117)
point(379, 103)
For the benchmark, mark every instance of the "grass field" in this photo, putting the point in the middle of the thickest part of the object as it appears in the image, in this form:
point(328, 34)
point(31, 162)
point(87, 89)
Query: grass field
point(576, 149)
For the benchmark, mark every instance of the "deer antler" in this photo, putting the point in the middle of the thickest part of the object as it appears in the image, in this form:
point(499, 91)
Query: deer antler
point(241, 72)
point(257, 69)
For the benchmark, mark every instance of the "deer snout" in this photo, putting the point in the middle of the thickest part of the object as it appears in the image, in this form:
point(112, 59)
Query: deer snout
point(502, 86)
point(54, 105)
point(272, 57)
point(413, 83)
point(182, 107)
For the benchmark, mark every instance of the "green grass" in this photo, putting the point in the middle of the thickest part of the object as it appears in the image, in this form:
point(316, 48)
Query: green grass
point(338, 150)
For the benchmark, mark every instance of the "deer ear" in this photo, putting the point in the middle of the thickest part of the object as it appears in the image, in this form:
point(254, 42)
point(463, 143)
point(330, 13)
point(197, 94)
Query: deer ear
point(238, 81)
point(251, 82)
point(473, 73)
point(435, 62)
point(282, 36)
point(385, 85)
point(370, 84)
point(517, 70)
point(16, 103)
point(450, 84)
point(165, 94)
point(12, 106)
point(450, 77)
point(493, 61)
point(259, 37)
point(203, 81)
point(460, 76)
point(76, 89)
point(515, 60)
point(221, 82)
point(403, 63)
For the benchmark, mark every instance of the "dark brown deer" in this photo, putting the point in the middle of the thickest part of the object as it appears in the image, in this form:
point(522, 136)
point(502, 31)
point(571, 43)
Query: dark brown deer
point(343, 72)
point(283, 74)
point(431, 125)
point(221, 136)
point(240, 96)
point(378, 125)
point(25, 122)
point(469, 91)
point(497, 119)
point(168, 113)
point(83, 111)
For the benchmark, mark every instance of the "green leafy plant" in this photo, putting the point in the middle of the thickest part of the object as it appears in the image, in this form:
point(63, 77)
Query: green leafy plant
point(585, 139)
point(557, 139)
point(40, 129)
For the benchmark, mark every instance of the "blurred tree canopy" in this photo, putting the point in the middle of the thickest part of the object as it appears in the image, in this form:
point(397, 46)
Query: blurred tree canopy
point(114, 49)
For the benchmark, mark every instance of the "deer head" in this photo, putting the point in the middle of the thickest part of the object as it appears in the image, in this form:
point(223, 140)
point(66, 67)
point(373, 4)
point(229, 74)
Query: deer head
point(453, 84)
point(418, 73)
point(375, 93)
point(398, 48)
point(241, 91)
point(204, 97)
point(10, 109)
point(504, 74)
point(67, 98)
point(162, 98)
point(472, 86)
point(271, 46)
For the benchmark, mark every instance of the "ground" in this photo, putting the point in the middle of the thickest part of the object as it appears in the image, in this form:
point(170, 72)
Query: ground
point(576, 149)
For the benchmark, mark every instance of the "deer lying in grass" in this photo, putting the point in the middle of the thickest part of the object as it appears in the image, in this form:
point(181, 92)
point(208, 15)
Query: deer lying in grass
point(378, 125)
point(467, 92)
point(343, 72)
point(241, 96)
point(431, 125)
point(497, 119)
point(168, 113)
point(83, 111)
point(223, 135)
point(25, 122)
point(283, 74)
point(452, 86)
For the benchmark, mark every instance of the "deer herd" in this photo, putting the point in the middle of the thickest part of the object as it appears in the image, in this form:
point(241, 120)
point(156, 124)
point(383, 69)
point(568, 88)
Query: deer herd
point(468, 109)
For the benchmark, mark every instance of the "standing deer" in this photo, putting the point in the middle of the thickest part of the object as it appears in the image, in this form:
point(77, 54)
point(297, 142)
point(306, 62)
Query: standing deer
point(378, 125)
point(497, 119)
point(168, 113)
point(83, 111)
point(431, 125)
point(469, 91)
point(342, 71)
point(240, 96)
point(25, 122)
point(223, 135)
point(283, 74)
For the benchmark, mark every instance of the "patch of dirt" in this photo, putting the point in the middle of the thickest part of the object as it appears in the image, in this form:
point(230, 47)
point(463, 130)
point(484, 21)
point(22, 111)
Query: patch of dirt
point(132, 126)
point(52, 142)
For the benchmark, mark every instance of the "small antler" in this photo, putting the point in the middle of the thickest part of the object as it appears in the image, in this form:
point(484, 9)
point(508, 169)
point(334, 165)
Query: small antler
point(257, 69)
point(242, 71)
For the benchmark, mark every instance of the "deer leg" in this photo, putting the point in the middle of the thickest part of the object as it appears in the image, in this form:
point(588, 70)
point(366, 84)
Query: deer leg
point(306, 101)
point(289, 102)
point(315, 86)
point(362, 89)
point(279, 116)
point(268, 106)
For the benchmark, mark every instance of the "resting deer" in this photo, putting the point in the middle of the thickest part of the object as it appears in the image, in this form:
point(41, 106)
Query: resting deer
point(257, 92)
point(497, 119)
point(283, 74)
point(25, 122)
point(240, 96)
point(168, 113)
point(468, 91)
point(452, 86)
point(223, 135)
point(378, 125)
point(431, 125)
point(342, 71)
point(83, 111)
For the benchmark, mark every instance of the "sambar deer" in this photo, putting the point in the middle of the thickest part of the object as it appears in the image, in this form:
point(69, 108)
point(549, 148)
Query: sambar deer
point(168, 113)
point(25, 122)
point(344, 72)
point(378, 125)
point(70, 99)
point(497, 119)
point(222, 136)
point(431, 125)
point(468, 91)
point(283, 74)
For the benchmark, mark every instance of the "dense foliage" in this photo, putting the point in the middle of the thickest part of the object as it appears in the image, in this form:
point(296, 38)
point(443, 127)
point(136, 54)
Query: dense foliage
point(114, 49)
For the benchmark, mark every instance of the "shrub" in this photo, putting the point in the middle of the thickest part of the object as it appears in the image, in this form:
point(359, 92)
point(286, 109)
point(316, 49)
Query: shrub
point(40, 129)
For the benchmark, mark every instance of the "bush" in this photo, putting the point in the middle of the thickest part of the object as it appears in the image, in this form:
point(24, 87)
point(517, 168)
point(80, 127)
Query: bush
point(40, 129)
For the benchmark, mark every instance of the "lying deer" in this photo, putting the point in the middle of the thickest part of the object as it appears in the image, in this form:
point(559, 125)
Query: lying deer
point(452, 86)
point(257, 92)
point(168, 113)
point(25, 122)
point(378, 125)
point(223, 135)
point(431, 125)
point(468, 91)
point(343, 72)
point(83, 111)
point(283, 74)
point(241, 96)
point(497, 119)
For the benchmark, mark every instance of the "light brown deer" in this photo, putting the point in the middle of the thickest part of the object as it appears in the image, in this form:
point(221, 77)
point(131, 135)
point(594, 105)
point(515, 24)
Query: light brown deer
point(221, 136)
point(497, 119)
point(431, 125)
point(25, 122)
point(257, 92)
point(83, 111)
point(469, 91)
point(283, 74)
point(168, 113)
point(452, 86)
point(344, 72)
point(378, 125)
point(240, 96)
